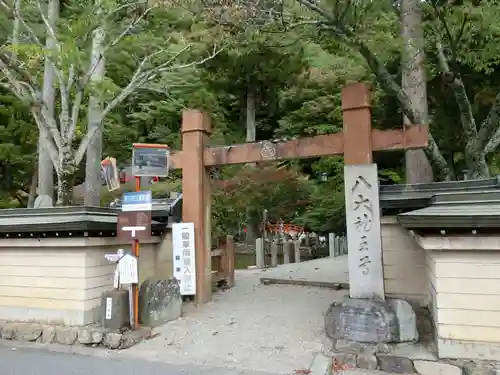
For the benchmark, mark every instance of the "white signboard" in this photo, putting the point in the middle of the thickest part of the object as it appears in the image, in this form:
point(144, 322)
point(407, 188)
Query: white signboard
point(366, 275)
point(184, 257)
point(127, 270)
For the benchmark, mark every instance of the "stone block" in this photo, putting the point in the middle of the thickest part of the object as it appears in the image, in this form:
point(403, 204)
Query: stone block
point(115, 310)
point(367, 361)
point(407, 320)
point(85, 335)
point(371, 321)
point(66, 335)
point(397, 365)
point(112, 340)
point(473, 368)
point(436, 368)
point(97, 337)
point(160, 301)
point(49, 334)
point(412, 351)
point(131, 338)
point(357, 347)
point(28, 332)
point(8, 331)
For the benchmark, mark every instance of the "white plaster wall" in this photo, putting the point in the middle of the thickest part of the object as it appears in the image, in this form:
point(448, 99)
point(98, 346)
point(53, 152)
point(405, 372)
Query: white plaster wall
point(60, 280)
point(464, 294)
point(404, 263)
point(467, 285)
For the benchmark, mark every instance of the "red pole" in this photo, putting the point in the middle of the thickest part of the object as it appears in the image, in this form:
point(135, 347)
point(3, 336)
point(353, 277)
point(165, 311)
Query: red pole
point(135, 247)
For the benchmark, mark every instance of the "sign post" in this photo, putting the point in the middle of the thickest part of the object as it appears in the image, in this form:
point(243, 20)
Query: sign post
point(134, 223)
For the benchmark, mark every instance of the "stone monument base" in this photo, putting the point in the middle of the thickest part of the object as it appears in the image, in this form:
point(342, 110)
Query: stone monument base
point(399, 357)
point(371, 321)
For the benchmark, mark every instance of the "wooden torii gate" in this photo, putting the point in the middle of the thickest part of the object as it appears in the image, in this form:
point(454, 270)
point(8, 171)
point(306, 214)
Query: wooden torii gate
point(356, 143)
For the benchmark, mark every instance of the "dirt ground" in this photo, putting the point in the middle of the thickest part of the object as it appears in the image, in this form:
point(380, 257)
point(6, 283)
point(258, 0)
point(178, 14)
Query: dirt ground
point(273, 328)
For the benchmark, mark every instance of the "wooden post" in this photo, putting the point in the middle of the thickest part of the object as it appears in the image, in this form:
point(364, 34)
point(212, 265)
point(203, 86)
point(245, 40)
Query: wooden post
point(227, 262)
point(331, 244)
point(196, 204)
point(259, 253)
point(297, 250)
point(274, 253)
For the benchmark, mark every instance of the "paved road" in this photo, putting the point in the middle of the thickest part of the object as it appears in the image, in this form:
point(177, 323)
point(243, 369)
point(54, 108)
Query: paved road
point(27, 361)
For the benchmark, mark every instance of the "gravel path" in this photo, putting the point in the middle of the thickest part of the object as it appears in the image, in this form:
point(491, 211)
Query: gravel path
point(323, 270)
point(274, 328)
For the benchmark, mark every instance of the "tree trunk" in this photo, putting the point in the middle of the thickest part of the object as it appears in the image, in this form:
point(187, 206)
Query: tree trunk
point(250, 114)
point(251, 128)
point(45, 166)
point(414, 84)
point(32, 193)
point(94, 149)
point(65, 174)
point(15, 27)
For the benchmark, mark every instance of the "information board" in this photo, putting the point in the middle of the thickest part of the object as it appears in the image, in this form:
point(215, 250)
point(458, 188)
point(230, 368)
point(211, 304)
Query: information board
point(128, 270)
point(150, 160)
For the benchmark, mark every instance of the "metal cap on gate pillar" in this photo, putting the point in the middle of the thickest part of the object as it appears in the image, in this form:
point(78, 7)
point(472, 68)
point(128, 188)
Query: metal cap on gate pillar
point(356, 109)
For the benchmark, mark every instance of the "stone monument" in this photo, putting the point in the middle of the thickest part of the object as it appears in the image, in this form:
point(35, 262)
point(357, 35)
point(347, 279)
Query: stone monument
point(366, 317)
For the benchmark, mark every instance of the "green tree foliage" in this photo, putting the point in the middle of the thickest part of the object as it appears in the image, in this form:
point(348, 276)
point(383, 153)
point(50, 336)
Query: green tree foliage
point(297, 74)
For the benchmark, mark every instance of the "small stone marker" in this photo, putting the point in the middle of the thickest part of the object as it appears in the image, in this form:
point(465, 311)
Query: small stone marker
point(43, 201)
point(128, 270)
point(259, 253)
point(366, 278)
point(331, 244)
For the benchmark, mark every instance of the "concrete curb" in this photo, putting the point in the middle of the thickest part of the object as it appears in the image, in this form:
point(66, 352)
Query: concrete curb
point(319, 284)
point(320, 365)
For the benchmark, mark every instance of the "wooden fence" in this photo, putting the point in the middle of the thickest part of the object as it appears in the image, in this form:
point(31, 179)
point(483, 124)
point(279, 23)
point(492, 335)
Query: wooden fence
point(223, 262)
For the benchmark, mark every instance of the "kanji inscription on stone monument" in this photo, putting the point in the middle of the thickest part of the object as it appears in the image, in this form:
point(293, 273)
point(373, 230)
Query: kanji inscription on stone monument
point(363, 231)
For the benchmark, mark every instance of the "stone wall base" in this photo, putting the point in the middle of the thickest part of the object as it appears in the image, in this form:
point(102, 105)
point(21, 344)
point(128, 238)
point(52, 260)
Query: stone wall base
point(51, 316)
point(468, 349)
point(410, 358)
point(401, 359)
point(90, 335)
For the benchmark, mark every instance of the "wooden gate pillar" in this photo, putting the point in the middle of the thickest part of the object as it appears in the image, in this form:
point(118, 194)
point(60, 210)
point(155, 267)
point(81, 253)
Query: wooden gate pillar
point(356, 108)
point(196, 205)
